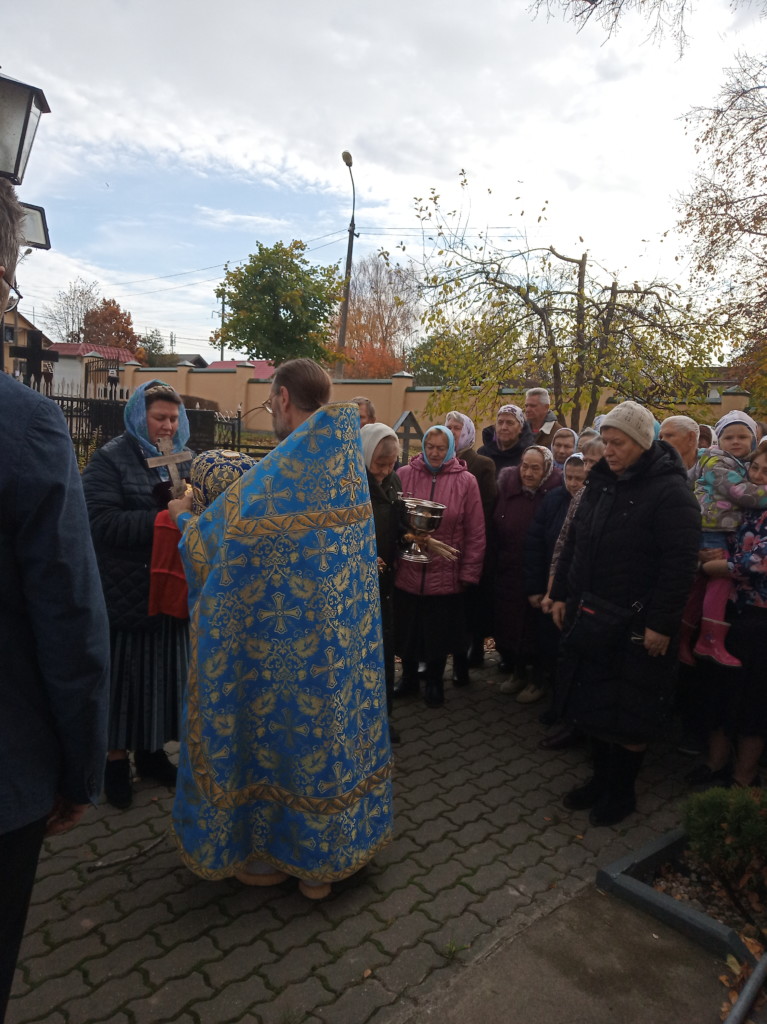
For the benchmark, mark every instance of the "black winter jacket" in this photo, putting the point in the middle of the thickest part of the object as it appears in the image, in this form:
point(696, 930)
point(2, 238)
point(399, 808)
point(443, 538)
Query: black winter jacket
point(123, 496)
point(541, 538)
point(505, 457)
point(634, 538)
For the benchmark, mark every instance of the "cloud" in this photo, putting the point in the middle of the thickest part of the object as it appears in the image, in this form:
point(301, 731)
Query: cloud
point(241, 221)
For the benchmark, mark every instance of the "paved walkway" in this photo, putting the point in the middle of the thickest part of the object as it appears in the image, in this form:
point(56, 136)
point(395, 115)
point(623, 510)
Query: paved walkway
point(483, 849)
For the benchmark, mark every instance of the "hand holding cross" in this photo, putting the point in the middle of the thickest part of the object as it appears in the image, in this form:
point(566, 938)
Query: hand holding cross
point(171, 459)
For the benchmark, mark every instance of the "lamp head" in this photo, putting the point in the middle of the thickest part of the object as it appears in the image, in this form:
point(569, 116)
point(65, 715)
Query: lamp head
point(347, 157)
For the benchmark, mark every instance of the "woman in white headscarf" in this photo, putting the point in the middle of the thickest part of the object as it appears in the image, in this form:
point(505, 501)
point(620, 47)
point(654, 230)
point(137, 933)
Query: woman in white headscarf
point(381, 449)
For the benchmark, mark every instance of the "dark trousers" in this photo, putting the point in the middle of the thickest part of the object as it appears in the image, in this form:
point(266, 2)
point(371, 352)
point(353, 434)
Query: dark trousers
point(19, 852)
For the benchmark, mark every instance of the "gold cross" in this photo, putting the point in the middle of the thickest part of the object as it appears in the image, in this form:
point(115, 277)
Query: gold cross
point(322, 549)
point(225, 562)
point(313, 433)
point(269, 496)
point(351, 483)
point(330, 667)
point(279, 614)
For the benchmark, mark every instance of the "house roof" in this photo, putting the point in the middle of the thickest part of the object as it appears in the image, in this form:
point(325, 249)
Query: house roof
point(122, 355)
point(262, 369)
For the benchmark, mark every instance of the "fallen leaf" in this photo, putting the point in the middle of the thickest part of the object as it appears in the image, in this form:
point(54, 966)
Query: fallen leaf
point(366, 973)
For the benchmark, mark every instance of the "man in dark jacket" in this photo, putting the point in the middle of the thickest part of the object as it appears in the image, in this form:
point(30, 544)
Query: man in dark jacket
point(506, 441)
point(540, 419)
point(619, 591)
point(54, 648)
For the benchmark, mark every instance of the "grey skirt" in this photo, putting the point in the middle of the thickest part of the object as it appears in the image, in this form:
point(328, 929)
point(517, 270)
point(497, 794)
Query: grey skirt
point(149, 670)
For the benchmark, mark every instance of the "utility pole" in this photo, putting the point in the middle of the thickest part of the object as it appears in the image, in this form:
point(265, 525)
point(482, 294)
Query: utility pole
point(223, 311)
point(347, 159)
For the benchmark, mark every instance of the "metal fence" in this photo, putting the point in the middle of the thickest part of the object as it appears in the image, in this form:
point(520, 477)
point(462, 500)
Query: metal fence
point(94, 421)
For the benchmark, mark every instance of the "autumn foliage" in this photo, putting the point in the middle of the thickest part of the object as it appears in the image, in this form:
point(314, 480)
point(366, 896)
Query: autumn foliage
point(108, 324)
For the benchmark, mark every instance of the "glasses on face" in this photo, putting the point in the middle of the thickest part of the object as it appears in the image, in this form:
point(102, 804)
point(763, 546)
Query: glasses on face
point(14, 297)
point(267, 406)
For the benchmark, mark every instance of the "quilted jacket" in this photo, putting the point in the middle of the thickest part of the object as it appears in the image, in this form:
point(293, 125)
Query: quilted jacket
point(462, 526)
point(123, 496)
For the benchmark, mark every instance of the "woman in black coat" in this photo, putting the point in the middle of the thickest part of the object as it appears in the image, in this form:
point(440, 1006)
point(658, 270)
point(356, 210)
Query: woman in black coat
point(619, 592)
point(149, 654)
point(380, 447)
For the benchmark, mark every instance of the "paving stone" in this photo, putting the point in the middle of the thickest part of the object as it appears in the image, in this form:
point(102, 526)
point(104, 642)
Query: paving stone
point(296, 965)
point(440, 877)
point(399, 902)
point(170, 998)
point(349, 933)
point(149, 892)
point(485, 853)
point(183, 927)
point(487, 878)
point(448, 903)
point(63, 958)
point(92, 892)
point(500, 905)
point(436, 807)
point(474, 832)
point(431, 831)
point(437, 853)
point(404, 933)
point(233, 1001)
point(240, 961)
point(568, 857)
point(394, 876)
point(536, 879)
point(454, 940)
point(241, 930)
point(138, 923)
point(102, 1002)
point(53, 886)
point(80, 923)
point(48, 1018)
point(291, 1005)
point(184, 957)
point(349, 968)
point(43, 1000)
point(356, 1004)
point(121, 959)
point(409, 967)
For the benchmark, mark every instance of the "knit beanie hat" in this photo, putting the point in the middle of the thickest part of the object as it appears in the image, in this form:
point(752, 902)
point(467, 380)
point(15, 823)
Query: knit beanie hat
point(735, 416)
point(633, 419)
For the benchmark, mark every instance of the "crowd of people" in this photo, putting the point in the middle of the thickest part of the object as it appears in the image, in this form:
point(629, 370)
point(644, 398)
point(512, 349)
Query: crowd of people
point(257, 614)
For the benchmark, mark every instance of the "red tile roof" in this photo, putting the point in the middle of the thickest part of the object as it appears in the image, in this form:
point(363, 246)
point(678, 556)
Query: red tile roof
point(122, 355)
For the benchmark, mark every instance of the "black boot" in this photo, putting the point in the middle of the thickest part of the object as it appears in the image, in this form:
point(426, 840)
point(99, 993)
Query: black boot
point(117, 783)
point(587, 795)
point(619, 800)
point(476, 652)
point(155, 765)
point(408, 680)
point(460, 669)
point(435, 694)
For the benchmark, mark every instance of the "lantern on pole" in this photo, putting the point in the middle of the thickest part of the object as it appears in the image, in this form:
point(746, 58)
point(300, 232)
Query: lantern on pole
point(20, 109)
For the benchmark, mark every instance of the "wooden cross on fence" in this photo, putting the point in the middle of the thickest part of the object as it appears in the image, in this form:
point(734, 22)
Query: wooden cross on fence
point(171, 459)
point(35, 355)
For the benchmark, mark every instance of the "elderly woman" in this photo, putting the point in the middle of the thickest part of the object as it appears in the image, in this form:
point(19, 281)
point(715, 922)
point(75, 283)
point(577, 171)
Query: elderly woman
point(736, 704)
point(506, 442)
point(429, 599)
point(479, 610)
point(380, 447)
point(563, 444)
point(619, 591)
point(521, 492)
point(149, 653)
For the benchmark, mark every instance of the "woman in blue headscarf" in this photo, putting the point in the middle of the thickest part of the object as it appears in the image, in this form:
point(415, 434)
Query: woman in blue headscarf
point(149, 653)
point(429, 599)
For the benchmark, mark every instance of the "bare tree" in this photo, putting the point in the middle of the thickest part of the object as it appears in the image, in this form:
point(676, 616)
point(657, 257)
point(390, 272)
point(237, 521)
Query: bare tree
point(65, 316)
point(664, 17)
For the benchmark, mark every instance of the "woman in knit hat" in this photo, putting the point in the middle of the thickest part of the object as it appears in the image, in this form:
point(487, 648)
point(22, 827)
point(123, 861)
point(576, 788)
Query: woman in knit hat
point(619, 590)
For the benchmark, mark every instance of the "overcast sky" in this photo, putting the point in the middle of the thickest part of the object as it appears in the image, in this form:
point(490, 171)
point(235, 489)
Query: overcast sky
point(183, 132)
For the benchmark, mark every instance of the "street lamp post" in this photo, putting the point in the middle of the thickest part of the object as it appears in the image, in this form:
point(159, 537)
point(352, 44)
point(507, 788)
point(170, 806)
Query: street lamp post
point(347, 159)
point(21, 107)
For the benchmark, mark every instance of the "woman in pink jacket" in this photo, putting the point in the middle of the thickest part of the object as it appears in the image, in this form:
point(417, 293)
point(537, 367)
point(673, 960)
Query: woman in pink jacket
point(429, 599)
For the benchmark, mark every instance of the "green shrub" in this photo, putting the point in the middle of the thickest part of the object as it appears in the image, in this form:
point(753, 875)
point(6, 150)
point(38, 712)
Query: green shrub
point(727, 828)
